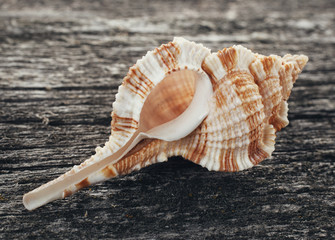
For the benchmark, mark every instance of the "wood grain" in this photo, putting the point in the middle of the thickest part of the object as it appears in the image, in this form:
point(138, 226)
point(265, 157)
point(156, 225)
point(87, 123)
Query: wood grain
point(61, 63)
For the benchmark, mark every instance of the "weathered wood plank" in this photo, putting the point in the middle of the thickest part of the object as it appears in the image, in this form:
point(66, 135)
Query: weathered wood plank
point(60, 65)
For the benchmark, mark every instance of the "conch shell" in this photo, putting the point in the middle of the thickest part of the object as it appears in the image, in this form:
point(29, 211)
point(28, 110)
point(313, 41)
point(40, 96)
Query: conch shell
point(246, 105)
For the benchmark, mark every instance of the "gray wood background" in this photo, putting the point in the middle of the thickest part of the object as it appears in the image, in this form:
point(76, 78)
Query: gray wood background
point(60, 65)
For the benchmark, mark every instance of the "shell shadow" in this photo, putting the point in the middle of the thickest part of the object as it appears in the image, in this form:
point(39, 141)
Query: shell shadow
point(183, 188)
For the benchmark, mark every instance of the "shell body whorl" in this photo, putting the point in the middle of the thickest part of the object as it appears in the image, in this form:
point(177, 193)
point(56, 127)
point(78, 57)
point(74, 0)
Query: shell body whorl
point(248, 107)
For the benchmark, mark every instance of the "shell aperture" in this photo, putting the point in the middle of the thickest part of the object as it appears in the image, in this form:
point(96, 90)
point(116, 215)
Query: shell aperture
point(224, 118)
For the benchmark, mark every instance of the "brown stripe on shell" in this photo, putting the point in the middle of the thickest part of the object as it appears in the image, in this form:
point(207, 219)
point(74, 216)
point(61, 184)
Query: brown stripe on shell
point(193, 147)
point(83, 183)
point(125, 120)
point(142, 86)
point(133, 87)
point(125, 132)
point(199, 150)
point(203, 151)
point(122, 123)
point(256, 153)
point(221, 157)
point(226, 159)
point(167, 54)
point(210, 74)
point(235, 167)
point(228, 58)
point(280, 120)
point(267, 63)
point(229, 160)
point(148, 84)
point(67, 193)
point(254, 120)
point(109, 172)
point(255, 133)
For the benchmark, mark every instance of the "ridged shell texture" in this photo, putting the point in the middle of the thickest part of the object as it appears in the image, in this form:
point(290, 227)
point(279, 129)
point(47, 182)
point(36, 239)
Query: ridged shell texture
point(248, 106)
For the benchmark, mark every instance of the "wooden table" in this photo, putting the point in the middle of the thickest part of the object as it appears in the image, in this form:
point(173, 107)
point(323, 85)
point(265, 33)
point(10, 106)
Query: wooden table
point(60, 65)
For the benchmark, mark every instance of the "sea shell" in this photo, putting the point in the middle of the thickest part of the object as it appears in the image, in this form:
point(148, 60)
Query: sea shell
point(247, 106)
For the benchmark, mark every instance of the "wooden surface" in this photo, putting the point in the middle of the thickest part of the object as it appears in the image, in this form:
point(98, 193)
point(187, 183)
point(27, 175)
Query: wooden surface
point(60, 65)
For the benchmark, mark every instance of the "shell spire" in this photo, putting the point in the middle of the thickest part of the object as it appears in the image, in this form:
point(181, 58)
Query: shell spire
point(246, 107)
